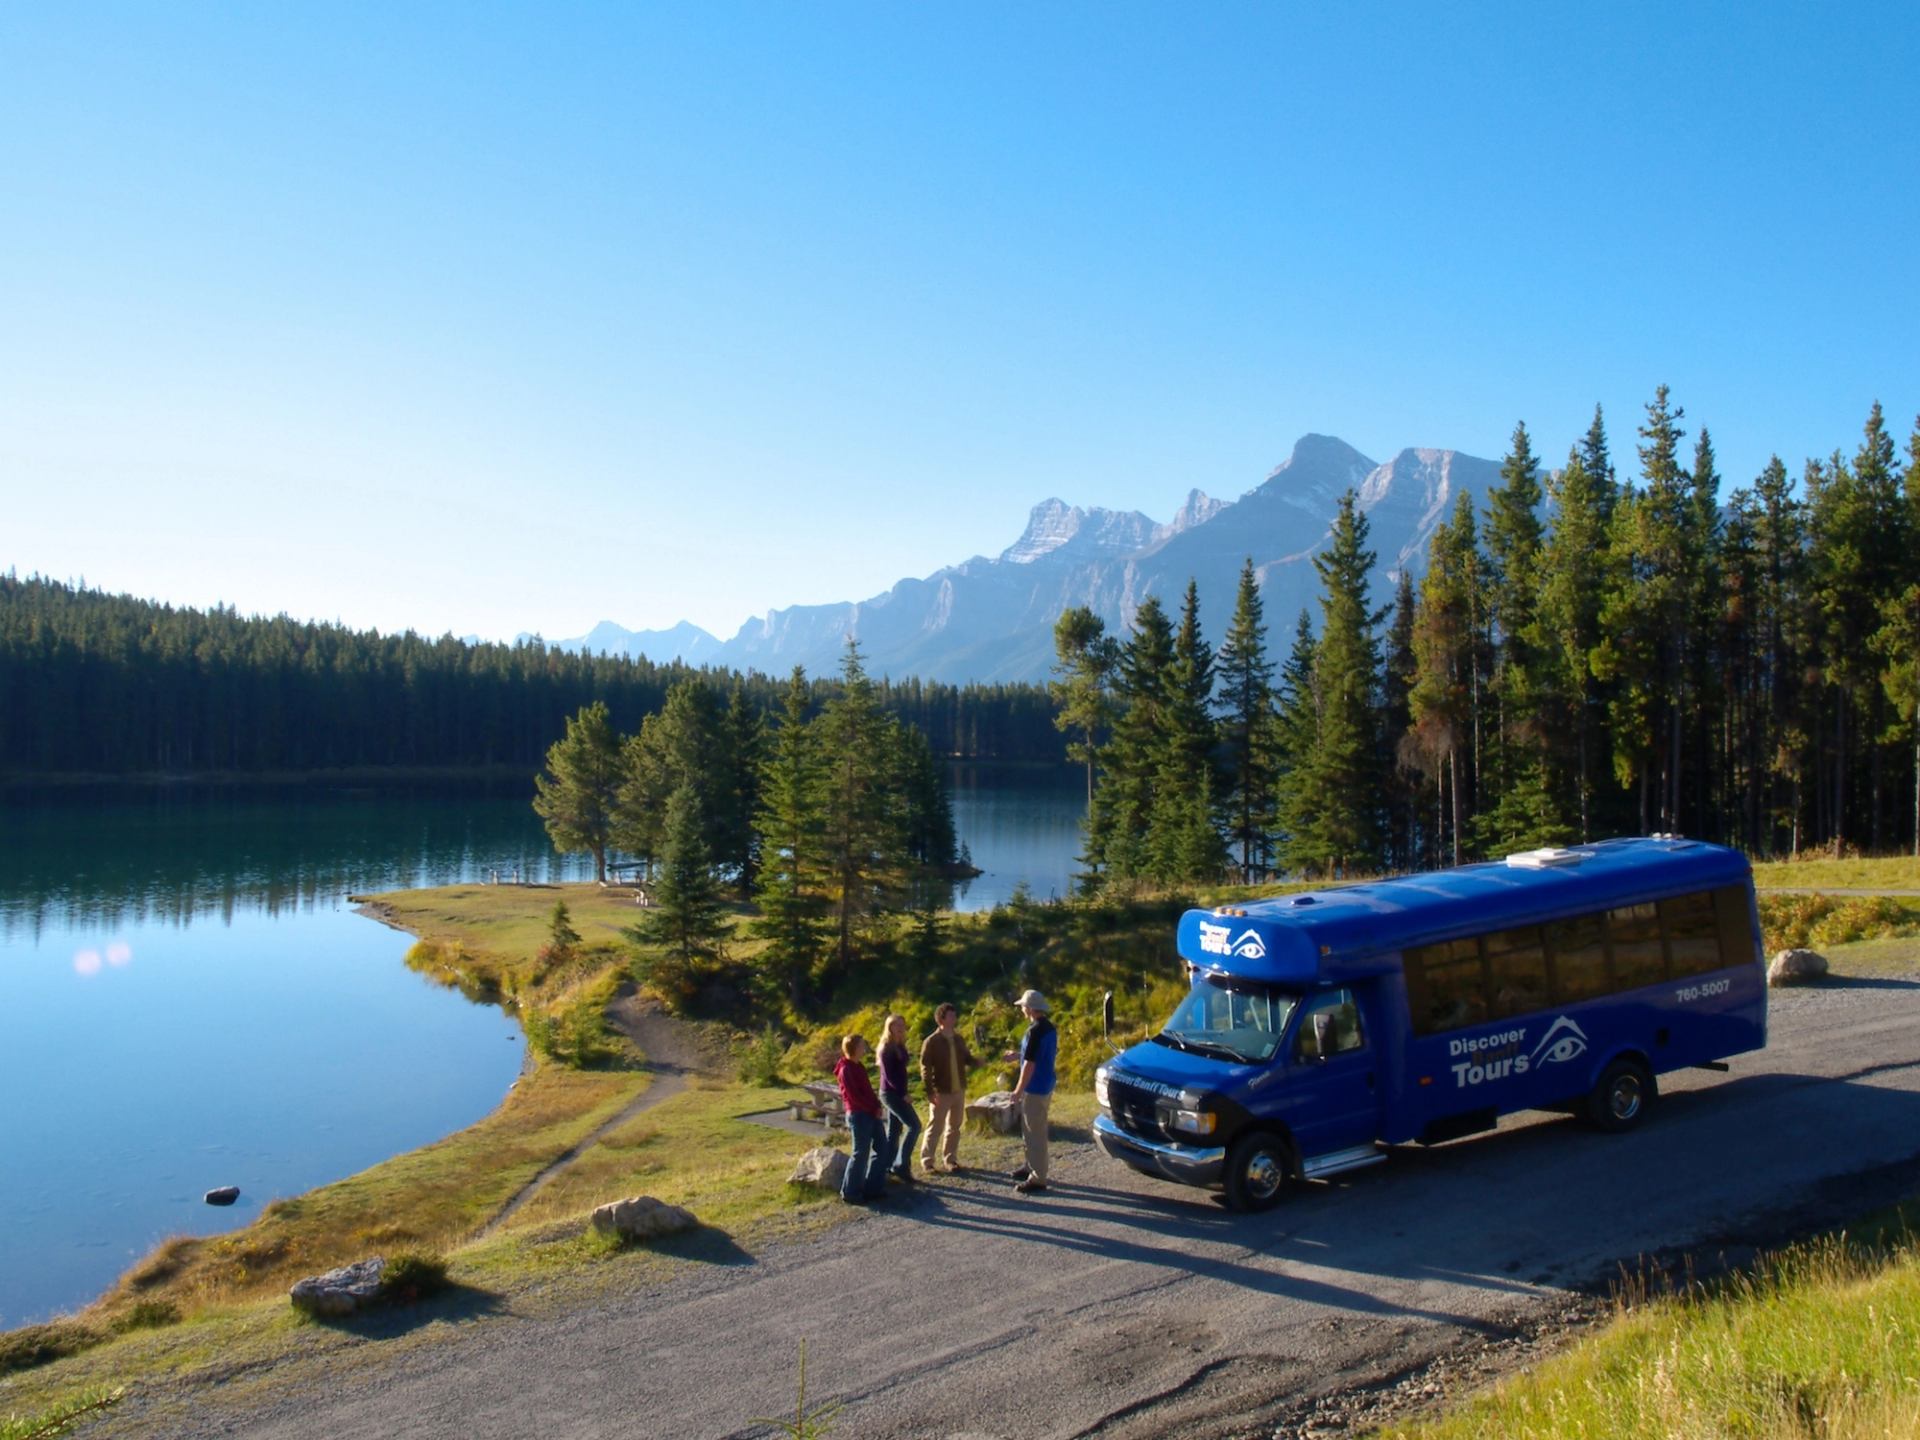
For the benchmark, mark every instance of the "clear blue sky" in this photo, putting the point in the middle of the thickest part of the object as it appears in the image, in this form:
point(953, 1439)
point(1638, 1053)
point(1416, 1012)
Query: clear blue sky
point(486, 318)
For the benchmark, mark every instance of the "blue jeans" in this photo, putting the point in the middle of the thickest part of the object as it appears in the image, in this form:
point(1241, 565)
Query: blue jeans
point(866, 1177)
point(903, 1133)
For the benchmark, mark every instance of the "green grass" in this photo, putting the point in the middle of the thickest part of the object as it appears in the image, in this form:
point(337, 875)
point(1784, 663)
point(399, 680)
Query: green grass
point(1890, 872)
point(58, 1419)
point(1820, 1343)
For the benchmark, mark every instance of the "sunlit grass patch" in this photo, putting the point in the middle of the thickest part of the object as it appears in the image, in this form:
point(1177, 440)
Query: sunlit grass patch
point(1886, 872)
point(1822, 1341)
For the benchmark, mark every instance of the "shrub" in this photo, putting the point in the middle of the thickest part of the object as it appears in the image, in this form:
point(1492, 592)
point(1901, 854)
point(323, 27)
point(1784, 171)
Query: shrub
point(149, 1315)
point(408, 1277)
point(1790, 922)
point(760, 1058)
point(33, 1345)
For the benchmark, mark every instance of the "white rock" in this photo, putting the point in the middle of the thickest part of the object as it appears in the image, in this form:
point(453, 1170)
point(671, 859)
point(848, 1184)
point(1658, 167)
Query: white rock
point(823, 1166)
point(1796, 967)
point(339, 1292)
point(641, 1217)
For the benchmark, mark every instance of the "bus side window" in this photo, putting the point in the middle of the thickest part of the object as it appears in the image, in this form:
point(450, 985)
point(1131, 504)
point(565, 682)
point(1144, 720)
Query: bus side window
point(1579, 950)
point(1693, 933)
point(1734, 904)
point(1637, 955)
point(1517, 968)
point(1344, 1029)
point(1451, 991)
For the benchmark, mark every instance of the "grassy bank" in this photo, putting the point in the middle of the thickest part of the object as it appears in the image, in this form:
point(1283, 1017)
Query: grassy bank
point(1821, 1342)
point(202, 1307)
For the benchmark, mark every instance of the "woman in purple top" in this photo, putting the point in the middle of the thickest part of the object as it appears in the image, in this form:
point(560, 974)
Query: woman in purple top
point(866, 1175)
point(903, 1120)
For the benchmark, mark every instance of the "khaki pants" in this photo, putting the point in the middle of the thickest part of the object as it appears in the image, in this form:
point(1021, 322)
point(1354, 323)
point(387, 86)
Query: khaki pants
point(1033, 1120)
point(949, 1111)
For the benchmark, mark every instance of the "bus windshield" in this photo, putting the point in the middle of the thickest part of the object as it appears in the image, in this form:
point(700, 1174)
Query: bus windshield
point(1230, 1018)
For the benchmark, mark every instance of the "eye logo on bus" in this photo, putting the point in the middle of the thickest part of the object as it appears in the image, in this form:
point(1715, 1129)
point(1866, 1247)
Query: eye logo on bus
point(1563, 1041)
point(1220, 940)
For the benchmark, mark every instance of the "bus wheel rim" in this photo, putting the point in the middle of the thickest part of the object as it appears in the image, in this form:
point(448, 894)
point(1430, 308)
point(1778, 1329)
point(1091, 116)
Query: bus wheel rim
point(1626, 1097)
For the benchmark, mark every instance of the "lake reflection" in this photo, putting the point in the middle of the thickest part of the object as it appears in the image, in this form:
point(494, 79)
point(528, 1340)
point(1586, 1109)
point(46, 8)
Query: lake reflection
point(193, 1003)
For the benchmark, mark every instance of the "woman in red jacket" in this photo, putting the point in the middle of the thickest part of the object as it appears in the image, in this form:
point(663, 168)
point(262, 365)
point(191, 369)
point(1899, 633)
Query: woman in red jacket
point(866, 1175)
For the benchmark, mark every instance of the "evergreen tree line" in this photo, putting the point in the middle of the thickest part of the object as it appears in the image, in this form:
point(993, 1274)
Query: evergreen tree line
point(98, 684)
point(1588, 655)
point(831, 816)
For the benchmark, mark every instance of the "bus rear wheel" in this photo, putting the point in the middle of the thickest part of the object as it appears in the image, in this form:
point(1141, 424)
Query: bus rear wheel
point(1257, 1169)
point(1621, 1097)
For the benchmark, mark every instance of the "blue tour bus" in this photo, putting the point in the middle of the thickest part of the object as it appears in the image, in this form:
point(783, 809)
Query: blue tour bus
point(1322, 1026)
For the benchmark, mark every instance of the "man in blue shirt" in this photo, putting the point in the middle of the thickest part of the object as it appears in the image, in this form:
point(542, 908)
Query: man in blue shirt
point(1034, 1088)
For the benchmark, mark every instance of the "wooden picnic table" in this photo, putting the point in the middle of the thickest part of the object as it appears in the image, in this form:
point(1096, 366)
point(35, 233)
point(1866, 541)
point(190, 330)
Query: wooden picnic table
point(822, 1104)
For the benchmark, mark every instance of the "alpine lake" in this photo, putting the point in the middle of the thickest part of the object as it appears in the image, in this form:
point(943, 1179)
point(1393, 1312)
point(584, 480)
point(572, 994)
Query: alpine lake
point(191, 1001)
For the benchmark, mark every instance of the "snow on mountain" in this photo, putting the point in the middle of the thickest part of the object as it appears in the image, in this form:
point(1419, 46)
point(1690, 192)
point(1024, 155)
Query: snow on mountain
point(991, 619)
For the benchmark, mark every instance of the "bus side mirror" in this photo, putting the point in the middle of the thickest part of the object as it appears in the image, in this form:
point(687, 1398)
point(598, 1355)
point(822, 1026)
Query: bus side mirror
point(1106, 1021)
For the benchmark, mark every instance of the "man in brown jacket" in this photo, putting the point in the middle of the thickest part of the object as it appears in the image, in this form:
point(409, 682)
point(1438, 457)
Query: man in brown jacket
point(944, 1063)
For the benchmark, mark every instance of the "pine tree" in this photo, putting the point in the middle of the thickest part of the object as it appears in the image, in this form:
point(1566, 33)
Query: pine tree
point(1523, 813)
point(1573, 580)
point(865, 825)
point(742, 753)
point(1183, 844)
point(1342, 782)
point(1450, 657)
point(1296, 720)
point(1782, 725)
point(1140, 729)
point(792, 882)
point(1086, 658)
point(576, 794)
point(1246, 724)
point(1406, 795)
point(1643, 620)
point(684, 743)
point(1598, 461)
point(688, 918)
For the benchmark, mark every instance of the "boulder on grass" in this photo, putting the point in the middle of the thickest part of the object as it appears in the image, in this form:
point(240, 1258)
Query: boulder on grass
point(641, 1217)
point(342, 1291)
point(1001, 1111)
point(1796, 967)
point(822, 1166)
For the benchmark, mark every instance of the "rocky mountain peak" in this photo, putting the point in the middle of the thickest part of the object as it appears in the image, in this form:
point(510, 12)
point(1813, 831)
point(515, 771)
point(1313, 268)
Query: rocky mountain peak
point(1055, 525)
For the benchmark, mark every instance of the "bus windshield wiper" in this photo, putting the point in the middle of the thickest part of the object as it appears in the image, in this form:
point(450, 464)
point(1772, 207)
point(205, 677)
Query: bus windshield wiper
point(1202, 1047)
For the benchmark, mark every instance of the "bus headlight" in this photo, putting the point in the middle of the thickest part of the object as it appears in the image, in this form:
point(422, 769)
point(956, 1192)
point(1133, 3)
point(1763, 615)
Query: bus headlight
point(1194, 1122)
point(1100, 1087)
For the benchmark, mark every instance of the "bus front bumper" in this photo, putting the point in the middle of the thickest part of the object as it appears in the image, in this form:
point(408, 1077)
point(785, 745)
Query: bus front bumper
point(1187, 1164)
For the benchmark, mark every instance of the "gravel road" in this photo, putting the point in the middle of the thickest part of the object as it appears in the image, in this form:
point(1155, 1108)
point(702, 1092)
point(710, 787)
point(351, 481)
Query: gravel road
point(1114, 1306)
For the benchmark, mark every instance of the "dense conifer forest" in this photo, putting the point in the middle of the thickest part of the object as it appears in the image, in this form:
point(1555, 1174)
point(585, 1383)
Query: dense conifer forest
point(1592, 653)
point(93, 684)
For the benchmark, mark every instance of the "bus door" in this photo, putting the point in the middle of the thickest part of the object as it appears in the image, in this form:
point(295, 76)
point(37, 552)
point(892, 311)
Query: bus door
point(1333, 1076)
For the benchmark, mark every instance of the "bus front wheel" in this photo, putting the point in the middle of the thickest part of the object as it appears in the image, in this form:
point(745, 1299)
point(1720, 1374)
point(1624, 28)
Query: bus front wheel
point(1257, 1170)
point(1621, 1097)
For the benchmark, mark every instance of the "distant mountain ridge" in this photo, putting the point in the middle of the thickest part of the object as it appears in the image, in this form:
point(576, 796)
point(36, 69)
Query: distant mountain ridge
point(685, 642)
point(991, 620)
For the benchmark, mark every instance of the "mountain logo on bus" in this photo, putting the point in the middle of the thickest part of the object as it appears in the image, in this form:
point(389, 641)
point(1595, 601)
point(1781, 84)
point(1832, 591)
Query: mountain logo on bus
point(1220, 940)
point(1564, 1040)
